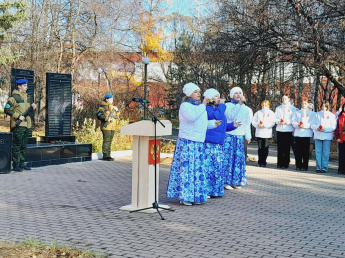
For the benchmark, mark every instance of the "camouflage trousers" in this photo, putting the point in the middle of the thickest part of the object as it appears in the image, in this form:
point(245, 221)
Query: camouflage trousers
point(108, 136)
point(20, 140)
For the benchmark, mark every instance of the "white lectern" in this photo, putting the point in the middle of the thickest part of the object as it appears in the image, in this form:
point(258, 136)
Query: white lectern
point(143, 174)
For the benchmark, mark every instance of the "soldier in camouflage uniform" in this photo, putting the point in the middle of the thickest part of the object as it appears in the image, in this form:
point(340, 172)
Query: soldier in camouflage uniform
point(108, 119)
point(16, 105)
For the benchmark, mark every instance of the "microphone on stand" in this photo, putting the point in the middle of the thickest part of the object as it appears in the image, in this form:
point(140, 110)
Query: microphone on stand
point(140, 100)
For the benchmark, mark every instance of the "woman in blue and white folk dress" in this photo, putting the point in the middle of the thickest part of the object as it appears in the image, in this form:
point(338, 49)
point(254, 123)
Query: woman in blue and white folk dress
point(187, 180)
point(214, 143)
point(234, 164)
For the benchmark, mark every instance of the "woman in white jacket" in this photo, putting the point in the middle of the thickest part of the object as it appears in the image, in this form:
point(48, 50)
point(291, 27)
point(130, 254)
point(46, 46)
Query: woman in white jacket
point(263, 121)
point(323, 125)
point(234, 163)
point(284, 131)
point(187, 180)
point(301, 122)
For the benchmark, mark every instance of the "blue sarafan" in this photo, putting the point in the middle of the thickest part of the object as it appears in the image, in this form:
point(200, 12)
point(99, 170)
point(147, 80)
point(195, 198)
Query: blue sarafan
point(187, 175)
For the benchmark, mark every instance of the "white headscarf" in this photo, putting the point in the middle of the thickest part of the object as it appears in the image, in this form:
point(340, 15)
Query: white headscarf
point(234, 90)
point(189, 88)
point(210, 93)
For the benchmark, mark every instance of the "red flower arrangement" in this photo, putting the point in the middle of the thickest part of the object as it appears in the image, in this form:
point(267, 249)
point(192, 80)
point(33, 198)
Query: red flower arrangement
point(300, 123)
point(320, 127)
point(281, 121)
point(260, 122)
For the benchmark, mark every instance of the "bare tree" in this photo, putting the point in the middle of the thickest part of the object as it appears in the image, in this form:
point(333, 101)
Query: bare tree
point(60, 32)
point(308, 33)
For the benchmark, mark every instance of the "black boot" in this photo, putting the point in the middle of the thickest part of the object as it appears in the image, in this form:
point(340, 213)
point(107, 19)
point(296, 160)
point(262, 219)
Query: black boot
point(17, 169)
point(108, 159)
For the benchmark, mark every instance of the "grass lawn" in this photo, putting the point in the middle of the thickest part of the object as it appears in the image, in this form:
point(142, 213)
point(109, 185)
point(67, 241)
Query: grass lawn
point(37, 249)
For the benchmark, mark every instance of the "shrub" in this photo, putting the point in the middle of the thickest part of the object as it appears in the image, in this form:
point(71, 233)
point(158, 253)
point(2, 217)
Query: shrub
point(90, 132)
point(167, 146)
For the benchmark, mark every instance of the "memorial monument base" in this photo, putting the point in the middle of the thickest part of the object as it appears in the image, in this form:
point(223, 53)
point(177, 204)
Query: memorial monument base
point(45, 154)
point(152, 210)
point(64, 138)
point(32, 140)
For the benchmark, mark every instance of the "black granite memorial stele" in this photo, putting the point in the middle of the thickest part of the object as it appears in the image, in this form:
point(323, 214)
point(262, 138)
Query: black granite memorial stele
point(58, 145)
point(59, 108)
point(17, 74)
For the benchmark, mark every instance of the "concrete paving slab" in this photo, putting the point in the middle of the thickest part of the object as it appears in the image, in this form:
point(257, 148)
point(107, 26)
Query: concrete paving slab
point(281, 213)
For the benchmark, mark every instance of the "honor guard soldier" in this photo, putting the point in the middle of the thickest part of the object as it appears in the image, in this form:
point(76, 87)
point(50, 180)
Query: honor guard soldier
point(15, 107)
point(107, 113)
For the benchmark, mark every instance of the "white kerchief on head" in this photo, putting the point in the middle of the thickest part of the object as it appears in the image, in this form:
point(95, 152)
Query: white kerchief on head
point(189, 88)
point(234, 90)
point(210, 93)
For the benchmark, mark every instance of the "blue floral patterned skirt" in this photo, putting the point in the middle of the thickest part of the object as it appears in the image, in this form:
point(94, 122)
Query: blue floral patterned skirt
point(214, 171)
point(187, 180)
point(234, 163)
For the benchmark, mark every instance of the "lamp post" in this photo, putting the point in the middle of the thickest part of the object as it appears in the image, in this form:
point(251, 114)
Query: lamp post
point(145, 61)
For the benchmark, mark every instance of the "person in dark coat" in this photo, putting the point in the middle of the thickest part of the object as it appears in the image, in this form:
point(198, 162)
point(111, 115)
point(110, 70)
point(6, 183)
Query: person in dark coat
point(340, 136)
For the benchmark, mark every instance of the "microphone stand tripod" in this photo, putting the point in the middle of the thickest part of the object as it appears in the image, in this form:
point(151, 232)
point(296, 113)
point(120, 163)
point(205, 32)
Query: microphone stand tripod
point(155, 204)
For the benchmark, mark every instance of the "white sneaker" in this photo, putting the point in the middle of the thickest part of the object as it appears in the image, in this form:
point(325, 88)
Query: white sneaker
point(236, 186)
point(208, 197)
point(197, 203)
point(228, 187)
point(186, 203)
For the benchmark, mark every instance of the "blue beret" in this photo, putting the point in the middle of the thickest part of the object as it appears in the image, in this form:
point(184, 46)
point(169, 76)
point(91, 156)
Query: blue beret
point(108, 96)
point(22, 81)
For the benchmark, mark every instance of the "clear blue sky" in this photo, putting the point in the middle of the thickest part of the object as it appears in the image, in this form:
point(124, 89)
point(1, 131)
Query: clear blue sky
point(188, 7)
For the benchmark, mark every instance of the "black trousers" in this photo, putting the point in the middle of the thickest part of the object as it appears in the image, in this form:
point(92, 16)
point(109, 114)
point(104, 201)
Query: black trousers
point(284, 141)
point(263, 145)
point(302, 152)
point(341, 148)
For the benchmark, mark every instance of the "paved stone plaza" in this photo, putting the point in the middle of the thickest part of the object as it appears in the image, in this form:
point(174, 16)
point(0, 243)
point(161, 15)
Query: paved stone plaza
point(281, 213)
